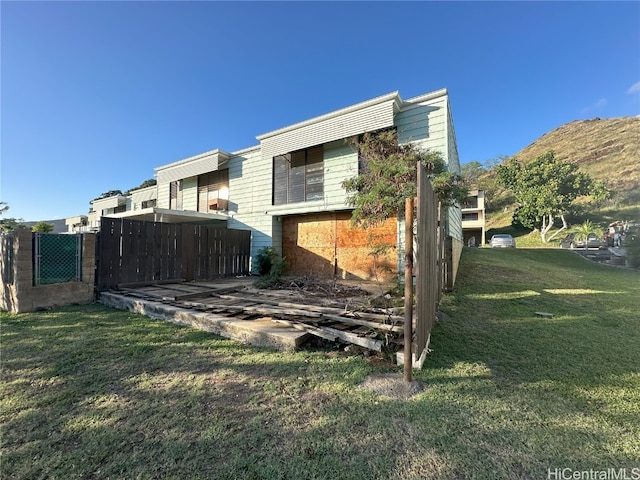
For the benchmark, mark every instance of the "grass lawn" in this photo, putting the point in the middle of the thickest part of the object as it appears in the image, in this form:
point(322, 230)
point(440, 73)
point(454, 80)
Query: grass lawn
point(91, 392)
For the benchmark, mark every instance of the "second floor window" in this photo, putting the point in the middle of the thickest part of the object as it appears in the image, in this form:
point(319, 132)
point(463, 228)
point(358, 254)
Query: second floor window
point(212, 188)
point(298, 176)
point(470, 202)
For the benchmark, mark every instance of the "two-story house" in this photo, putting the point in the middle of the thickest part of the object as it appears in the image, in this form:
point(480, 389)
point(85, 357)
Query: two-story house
point(473, 219)
point(287, 189)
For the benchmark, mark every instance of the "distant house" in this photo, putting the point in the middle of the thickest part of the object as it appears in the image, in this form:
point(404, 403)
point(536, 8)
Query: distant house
point(77, 224)
point(137, 201)
point(473, 219)
point(287, 189)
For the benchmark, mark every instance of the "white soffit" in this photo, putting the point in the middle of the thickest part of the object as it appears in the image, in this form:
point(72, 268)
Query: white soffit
point(109, 202)
point(363, 117)
point(144, 194)
point(207, 162)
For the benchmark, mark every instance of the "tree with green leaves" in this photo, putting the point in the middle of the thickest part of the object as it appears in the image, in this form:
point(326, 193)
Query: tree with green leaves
point(471, 173)
point(42, 227)
point(584, 230)
point(110, 193)
point(8, 225)
point(147, 183)
point(545, 189)
point(388, 176)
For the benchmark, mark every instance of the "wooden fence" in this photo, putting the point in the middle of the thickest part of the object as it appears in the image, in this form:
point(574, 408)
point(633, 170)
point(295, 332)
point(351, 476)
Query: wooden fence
point(430, 262)
point(132, 251)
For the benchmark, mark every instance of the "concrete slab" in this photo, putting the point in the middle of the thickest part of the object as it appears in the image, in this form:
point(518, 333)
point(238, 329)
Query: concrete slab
point(260, 332)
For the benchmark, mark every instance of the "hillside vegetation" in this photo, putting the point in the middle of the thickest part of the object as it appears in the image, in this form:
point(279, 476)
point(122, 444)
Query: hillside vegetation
point(606, 149)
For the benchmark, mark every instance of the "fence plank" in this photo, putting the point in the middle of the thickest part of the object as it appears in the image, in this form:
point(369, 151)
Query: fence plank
point(110, 235)
point(146, 249)
point(128, 262)
point(203, 240)
point(137, 245)
point(187, 249)
point(428, 279)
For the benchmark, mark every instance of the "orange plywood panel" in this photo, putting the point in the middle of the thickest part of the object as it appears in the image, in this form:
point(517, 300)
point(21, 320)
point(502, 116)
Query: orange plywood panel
point(326, 244)
point(308, 244)
point(355, 250)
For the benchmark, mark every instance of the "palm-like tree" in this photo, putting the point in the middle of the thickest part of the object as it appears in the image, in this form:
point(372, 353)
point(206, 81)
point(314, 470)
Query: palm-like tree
point(584, 230)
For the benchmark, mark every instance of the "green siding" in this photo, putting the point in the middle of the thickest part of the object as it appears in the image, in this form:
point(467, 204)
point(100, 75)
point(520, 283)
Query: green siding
point(163, 196)
point(424, 124)
point(340, 162)
point(190, 194)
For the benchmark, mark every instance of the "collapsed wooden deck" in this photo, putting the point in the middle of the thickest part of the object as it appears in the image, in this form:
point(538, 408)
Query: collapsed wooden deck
point(259, 317)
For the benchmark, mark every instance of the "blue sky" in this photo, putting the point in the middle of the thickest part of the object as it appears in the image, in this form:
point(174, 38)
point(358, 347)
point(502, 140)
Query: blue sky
point(95, 95)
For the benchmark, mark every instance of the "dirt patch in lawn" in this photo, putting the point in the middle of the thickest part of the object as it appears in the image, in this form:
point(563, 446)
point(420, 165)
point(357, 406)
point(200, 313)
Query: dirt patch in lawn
point(392, 385)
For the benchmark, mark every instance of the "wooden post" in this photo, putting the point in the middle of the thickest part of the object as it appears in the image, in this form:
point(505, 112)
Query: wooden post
point(408, 288)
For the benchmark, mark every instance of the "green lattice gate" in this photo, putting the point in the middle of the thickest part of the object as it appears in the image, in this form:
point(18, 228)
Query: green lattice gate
point(56, 258)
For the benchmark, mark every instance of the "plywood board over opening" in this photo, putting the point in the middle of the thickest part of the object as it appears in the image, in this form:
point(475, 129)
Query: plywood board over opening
point(326, 244)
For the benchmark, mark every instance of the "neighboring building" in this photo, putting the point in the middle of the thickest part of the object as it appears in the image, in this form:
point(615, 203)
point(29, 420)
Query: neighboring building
point(137, 202)
point(77, 224)
point(287, 190)
point(473, 219)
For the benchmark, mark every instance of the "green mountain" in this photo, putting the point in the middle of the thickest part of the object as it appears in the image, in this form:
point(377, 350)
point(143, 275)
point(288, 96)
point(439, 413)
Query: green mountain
point(607, 149)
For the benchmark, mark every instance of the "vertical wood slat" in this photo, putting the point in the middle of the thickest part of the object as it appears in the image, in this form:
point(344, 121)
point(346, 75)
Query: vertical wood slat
point(128, 262)
point(147, 241)
point(136, 251)
point(137, 246)
point(172, 271)
point(428, 282)
point(109, 261)
point(187, 250)
point(203, 252)
point(164, 251)
point(156, 240)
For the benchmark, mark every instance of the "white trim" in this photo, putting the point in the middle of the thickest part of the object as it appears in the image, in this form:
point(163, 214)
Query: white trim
point(166, 215)
point(244, 151)
point(191, 167)
point(317, 206)
point(194, 158)
point(427, 96)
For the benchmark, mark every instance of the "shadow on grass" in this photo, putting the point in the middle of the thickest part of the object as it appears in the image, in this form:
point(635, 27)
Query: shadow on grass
point(89, 392)
point(592, 334)
point(114, 395)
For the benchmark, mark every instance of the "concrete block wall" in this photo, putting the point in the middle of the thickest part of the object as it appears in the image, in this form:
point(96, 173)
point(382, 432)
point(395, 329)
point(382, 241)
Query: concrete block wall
point(22, 296)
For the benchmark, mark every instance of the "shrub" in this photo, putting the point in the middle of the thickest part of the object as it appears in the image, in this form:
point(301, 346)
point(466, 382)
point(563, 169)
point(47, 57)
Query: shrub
point(270, 266)
point(265, 260)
